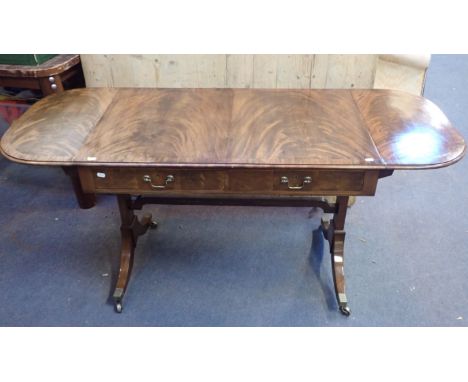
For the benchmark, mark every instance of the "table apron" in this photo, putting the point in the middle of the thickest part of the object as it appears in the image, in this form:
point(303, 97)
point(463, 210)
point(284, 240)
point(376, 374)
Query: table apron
point(185, 182)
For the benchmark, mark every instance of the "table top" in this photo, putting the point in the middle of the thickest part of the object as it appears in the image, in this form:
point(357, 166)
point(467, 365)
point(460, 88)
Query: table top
point(335, 129)
point(55, 65)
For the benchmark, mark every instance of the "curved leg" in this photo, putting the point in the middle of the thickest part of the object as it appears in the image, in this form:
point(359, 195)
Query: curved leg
point(338, 271)
point(335, 234)
point(126, 264)
point(130, 230)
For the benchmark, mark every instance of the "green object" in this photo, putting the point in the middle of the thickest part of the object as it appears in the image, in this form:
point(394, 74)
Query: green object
point(25, 59)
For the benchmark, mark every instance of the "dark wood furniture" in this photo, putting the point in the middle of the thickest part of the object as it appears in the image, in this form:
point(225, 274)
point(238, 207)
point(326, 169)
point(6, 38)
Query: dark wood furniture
point(233, 147)
point(48, 77)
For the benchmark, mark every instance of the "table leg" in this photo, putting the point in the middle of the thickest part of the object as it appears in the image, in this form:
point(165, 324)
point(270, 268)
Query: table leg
point(131, 228)
point(51, 85)
point(84, 200)
point(335, 234)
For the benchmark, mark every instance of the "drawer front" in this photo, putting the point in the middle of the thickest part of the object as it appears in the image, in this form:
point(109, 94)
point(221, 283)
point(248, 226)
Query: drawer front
point(228, 181)
point(250, 181)
point(147, 180)
point(318, 181)
point(304, 182)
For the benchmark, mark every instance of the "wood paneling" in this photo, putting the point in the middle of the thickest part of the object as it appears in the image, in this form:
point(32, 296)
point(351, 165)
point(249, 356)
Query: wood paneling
point(351, 71)
point(197, 71)
point(155, 70)
point(265, 71)
point(401, 72)
point(292, 71)
point(239, 70)
point(268, 71)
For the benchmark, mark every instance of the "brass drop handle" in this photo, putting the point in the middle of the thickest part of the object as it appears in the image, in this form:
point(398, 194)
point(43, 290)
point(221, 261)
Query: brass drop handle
point(305, 180)
point(169, 179)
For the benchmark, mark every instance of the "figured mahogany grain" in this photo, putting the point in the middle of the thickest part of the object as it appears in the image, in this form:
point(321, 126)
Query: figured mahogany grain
point(54, 128)
point(298, 127)
point(236, 128)
point(408, 129)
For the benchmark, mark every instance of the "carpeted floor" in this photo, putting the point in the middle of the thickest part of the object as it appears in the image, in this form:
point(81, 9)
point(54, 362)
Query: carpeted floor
point(406, 252)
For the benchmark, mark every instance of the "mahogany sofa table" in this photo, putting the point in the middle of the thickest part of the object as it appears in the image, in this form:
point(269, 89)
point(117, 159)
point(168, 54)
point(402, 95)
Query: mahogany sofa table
point(233, 147)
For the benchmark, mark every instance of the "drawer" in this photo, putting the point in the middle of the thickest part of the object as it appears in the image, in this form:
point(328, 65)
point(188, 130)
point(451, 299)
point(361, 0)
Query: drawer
point(147, 180)
point(319, 181)
point(304, 182)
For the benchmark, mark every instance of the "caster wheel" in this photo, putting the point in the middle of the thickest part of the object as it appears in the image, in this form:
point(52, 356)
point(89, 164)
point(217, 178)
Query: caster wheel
point(345, 310)
point(153, 224)
point(118, 307)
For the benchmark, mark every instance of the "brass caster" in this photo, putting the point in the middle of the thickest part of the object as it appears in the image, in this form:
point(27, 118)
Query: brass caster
point(118, 307)
point(153, 224)
point(345, 310)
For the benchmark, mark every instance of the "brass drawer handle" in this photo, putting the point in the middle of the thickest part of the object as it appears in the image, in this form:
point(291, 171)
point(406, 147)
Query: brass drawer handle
point(305, 180)
point(169, 179)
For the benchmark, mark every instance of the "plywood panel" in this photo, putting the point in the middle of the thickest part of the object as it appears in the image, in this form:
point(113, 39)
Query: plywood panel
point(153, 70)
point(403, 73)
point(294, 71)
point(123, 70)
point(420, 61)
point(318, 79)
point(96, 70)
point(186, 70)
point(257, 71)
point(144, 70)
point(264, 71)
point(239, 70)
point(347, 71)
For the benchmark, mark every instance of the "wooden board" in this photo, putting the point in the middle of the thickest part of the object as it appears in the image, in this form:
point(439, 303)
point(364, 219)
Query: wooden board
point(403, 72)
point(260, 71)
point(333, 129)
point(267, 71)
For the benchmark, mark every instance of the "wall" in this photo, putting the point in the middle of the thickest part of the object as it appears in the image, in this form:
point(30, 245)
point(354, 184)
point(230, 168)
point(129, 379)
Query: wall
point(256, 71)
